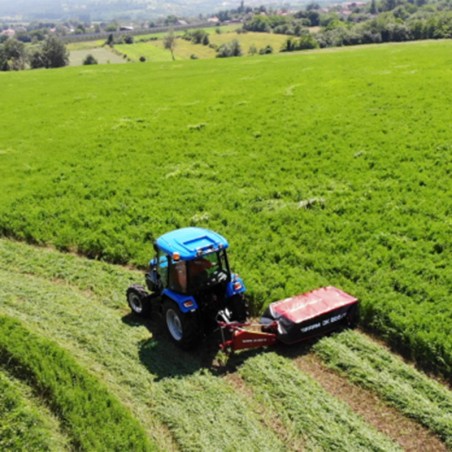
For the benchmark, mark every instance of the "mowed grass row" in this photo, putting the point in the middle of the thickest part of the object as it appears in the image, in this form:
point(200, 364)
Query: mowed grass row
point(307, 410)
point(352, 354)
point(328, 168)
point(25, 424)
point(162, 386)
point(81, 305)
point(92, 417)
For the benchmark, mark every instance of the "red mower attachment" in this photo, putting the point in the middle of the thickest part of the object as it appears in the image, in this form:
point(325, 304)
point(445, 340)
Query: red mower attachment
point(293, 320)
point(246, 335)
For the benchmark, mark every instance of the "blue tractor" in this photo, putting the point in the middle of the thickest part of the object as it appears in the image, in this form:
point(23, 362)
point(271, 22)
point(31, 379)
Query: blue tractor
point(190, 284)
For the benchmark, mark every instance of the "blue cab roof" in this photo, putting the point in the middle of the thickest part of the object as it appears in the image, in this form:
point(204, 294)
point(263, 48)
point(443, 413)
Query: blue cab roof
point(191, 242)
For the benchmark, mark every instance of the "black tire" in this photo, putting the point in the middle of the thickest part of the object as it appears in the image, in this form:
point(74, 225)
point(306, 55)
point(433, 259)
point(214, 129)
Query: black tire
point(239, 308)
point(182, 328)
point(138, 300)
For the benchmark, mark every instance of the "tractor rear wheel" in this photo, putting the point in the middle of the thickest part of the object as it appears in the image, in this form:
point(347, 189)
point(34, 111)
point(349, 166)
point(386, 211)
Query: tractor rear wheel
point(239, 308)
point(138, 300)
point(182, 327)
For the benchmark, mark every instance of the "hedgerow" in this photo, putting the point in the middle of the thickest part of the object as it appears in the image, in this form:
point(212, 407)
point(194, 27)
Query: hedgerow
point(93, 418)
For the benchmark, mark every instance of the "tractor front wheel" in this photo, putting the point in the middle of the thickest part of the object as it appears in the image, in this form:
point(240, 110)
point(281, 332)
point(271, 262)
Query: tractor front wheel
point(183, 328)
point(138, 300)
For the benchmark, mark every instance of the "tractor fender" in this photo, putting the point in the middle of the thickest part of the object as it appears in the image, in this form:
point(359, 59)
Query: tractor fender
point(235, 286)
point(186, 303)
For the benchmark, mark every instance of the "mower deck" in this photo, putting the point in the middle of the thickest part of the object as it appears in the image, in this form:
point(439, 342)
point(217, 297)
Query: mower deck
point(294, 319)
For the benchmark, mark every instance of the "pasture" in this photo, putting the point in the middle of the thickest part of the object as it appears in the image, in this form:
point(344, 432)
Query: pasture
point(154, 50)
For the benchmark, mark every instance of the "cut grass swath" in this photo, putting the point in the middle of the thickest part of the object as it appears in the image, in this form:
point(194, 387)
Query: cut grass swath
point(24, 424)
point(401, 385)
point(307, 409)
point(195, 405)
point(199, 410)
point(94, 419)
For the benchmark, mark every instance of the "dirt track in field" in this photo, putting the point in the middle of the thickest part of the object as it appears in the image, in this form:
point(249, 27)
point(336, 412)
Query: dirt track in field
point(409, 434)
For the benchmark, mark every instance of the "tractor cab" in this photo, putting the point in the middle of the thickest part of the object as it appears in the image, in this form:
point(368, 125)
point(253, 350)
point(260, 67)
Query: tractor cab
point(189, 261)
point(191, 274)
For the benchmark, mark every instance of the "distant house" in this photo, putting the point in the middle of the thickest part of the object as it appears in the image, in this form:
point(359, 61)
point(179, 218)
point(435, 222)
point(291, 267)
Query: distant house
point(213, 20)
point(126, 28)
point(9, 32)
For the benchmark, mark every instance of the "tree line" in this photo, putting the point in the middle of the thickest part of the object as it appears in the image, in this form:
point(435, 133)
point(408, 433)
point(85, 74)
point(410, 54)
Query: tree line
point(374, 22)
point(15, 56)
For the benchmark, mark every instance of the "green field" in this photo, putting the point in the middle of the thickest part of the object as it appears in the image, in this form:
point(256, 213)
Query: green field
point(78, 356)
point(103, 55)
point(328, 168)
point(155, 52)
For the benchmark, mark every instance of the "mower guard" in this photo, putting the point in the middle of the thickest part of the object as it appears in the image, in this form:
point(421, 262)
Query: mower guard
point(293, 320)
point(310, 314)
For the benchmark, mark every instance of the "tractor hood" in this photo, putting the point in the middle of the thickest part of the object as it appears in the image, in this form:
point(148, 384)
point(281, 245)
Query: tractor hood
point(191, 242)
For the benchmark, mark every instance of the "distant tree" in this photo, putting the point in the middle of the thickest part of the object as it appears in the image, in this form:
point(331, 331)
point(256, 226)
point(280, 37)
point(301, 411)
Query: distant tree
point(128, 39)
point(54, 52)
point(289, 46)
point(142, 59)
point(231, 49)
point(236, 50)
point(36, 59)
point(110, 40)
point(171, 20)
point(12, 55)
point(169, 42)
point(89, 59)
point(205, 40)
point(312, 6)
point(3, 61)
point(80, 30)
point(258, 23)
point(313, 17)
point(252, 50)
point(373, 7)
point(113, 26)
point(307, 41)
point(266, 50)
point(223, 16)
